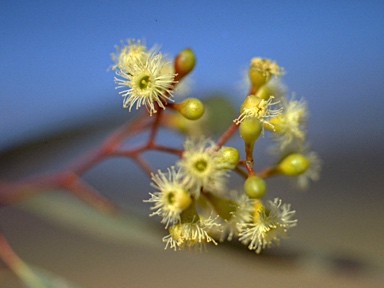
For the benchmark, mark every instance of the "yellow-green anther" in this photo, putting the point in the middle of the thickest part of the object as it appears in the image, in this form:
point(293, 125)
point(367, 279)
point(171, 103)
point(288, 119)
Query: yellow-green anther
point(254, 187)
point(293, 165)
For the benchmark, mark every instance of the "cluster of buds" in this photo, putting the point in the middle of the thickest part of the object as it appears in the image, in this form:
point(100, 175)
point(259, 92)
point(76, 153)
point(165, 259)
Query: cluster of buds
point(193, 197)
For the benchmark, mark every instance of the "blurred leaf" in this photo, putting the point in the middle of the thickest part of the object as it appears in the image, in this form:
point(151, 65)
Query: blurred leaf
point(39, 278)
point(220, 113)
point(62, 208)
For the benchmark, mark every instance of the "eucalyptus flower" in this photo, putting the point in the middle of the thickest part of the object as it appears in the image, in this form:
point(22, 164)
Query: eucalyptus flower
point(190, 234)
point(202, 166)
point(172, 196)
point(268, 225)
point(146, 83)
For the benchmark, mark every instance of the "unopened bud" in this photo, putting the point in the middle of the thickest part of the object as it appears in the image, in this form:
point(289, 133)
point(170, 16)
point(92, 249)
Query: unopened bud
point(254, 187)
point(250, 130)
point(191, 108)
point(257, 78)
point(184, 63)
point(293, 165)
point(264, 92)
point(228, 157)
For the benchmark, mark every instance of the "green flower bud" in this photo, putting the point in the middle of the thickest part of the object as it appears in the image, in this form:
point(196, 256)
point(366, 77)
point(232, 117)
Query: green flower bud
point(254, 187)
point(264, 92)
point(184, 63)
point(293, 165)
point(257, 78)
point(250, 129)
point(191, 108)
point(228, 157)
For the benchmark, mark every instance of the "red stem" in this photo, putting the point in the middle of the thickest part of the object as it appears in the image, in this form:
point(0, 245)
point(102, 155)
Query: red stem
point(143, 164)
point(226, 135)
point(267, 172)
point(166, 149)
point(154, 127)
point(109, 144)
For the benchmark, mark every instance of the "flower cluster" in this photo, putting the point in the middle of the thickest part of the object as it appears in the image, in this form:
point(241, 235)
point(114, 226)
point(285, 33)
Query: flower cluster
point(193, 197)
point(199, 170)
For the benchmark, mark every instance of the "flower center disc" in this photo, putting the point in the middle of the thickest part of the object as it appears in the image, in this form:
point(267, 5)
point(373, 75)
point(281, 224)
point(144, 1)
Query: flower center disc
point(201, 165)
point(144, 82)
point(171, 197)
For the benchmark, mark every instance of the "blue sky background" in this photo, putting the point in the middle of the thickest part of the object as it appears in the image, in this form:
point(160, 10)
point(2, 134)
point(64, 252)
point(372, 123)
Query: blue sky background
point(55, 54)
